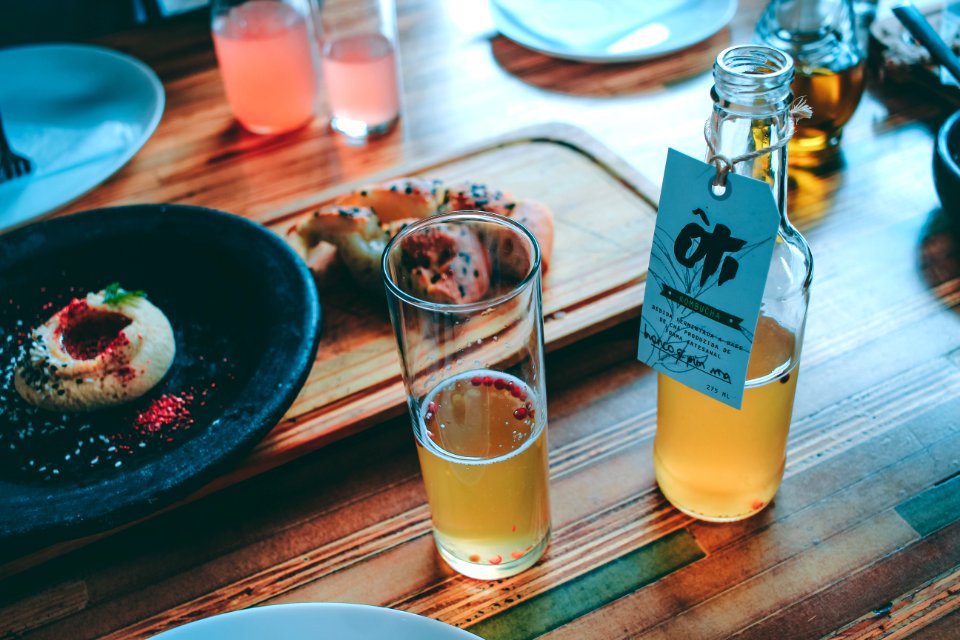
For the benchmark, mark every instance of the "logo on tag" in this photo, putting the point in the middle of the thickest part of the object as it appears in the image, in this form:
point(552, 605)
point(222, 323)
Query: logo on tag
point(708, 268)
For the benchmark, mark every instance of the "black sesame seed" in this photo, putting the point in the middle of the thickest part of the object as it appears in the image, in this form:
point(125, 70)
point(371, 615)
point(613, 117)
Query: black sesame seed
point(463, 292)
point(785, 379)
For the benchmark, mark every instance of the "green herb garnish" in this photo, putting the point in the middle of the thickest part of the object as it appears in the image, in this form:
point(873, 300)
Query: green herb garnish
point(113, 293)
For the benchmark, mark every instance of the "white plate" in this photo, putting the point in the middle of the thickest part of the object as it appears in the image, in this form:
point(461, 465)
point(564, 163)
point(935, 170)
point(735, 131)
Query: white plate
point(678, 26)
point(79, 113)
point(317, 621)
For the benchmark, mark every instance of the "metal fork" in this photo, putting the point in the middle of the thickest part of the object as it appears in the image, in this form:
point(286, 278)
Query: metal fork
point(12, 164)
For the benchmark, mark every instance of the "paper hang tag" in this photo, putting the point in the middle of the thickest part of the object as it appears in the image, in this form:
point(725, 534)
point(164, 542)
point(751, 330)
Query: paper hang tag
point(708, 268)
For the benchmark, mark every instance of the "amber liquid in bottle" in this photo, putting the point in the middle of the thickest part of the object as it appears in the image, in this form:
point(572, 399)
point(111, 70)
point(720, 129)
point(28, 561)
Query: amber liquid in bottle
point(834, 96)
point(718, 463)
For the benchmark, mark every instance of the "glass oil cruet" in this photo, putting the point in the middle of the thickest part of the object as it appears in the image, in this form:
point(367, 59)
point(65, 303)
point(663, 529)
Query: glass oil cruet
point(712, 461)
point(821, 37)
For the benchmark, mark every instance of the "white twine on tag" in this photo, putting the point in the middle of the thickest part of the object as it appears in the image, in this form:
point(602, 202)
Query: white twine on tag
point(799, 109)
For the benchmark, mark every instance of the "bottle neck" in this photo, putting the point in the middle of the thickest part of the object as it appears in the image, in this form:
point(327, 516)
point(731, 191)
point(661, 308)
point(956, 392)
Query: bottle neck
point(751, 108)
point(740, 129)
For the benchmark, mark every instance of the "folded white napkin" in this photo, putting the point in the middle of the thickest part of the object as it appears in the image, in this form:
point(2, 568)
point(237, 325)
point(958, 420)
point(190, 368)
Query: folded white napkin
point(586, 24)
point(56, 149)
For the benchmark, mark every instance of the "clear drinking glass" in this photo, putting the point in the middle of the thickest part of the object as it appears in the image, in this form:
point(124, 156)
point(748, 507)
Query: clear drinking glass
point(463, 291)
point(821, 37)
point(360, 62)
point(266, 50)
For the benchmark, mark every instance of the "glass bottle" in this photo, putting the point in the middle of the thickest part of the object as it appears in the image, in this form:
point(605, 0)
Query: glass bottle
point(821, 36)
point(712, 461)
point(265, 50)
point(361, 66)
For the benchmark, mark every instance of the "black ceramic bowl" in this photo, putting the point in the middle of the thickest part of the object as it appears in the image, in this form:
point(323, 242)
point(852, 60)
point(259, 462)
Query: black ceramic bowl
point(946, 168)
point(245, 315)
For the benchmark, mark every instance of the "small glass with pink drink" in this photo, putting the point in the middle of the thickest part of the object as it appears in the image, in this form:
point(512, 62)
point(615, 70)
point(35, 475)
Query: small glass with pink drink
point(266, 52)
point(360, 63)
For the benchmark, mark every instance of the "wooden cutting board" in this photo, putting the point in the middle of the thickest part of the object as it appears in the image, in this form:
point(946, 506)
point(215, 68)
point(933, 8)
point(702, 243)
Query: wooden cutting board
point(605, 213)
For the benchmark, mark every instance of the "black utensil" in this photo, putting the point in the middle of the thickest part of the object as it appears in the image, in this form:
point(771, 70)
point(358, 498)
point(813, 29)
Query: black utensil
point(919, 28)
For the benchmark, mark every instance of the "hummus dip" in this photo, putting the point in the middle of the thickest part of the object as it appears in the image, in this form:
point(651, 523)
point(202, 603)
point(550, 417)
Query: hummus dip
point(100, 351)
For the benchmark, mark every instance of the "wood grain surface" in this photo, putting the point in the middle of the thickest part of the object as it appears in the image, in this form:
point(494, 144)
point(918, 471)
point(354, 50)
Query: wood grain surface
point(861, 542)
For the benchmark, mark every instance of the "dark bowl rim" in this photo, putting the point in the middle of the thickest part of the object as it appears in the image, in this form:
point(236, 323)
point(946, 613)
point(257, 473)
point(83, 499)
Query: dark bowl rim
point(943, 144)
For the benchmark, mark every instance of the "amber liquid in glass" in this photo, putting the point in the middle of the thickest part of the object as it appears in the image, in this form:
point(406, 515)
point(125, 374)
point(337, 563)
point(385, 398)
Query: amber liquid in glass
point(482, 445)
point(833, 96)
point(718, 463)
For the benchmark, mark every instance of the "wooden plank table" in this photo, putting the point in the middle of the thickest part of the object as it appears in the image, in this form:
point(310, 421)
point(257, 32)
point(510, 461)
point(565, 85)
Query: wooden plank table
point(863, 539)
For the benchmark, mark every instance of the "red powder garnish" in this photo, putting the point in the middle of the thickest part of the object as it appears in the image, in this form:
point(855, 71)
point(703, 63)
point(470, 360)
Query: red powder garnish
point(167, 413)
point(757, 504)
point(125, 374)
point(86, 333)
point(496, 559)
point(76, 308)
point(54, 447)
point(517, 555)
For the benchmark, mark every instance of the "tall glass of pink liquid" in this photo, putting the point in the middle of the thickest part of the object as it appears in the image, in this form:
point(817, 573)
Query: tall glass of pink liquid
point(265, 49)
point(360, 65)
